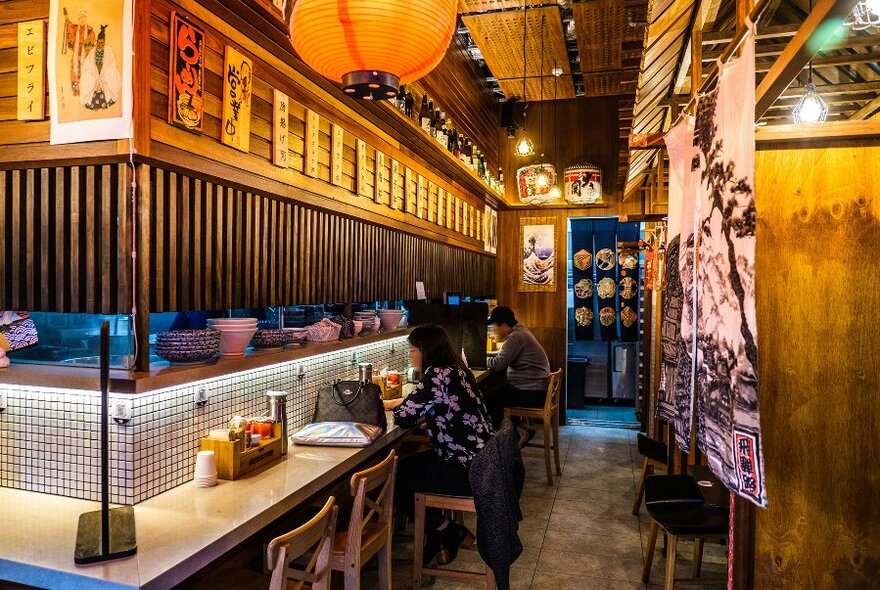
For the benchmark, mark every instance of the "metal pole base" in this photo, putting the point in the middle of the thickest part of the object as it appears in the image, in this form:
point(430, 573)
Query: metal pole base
point(123, 542)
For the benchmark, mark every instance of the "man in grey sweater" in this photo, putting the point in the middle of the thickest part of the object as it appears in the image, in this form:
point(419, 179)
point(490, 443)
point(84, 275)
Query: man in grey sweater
point(524, 362)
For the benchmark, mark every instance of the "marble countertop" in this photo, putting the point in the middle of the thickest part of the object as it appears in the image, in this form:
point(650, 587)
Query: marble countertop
point(178, 532)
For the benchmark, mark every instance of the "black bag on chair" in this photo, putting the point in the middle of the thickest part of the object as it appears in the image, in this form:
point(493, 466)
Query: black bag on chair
point(350, 401)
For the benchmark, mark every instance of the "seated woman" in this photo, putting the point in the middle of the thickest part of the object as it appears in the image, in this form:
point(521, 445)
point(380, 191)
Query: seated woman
point(448, 400)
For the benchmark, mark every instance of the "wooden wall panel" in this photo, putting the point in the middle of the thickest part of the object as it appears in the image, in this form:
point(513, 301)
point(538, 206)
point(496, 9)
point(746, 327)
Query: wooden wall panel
point(65, 239)
point(820, 366)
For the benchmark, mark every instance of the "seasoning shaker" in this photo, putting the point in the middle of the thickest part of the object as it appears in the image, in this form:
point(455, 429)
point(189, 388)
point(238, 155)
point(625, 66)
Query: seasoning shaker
point(365, 372)
point(278, 414)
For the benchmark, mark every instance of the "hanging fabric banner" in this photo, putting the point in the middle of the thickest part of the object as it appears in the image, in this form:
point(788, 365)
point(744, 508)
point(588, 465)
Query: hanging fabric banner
point(605, 255)
point(679, 144)
point(582, 278)
point(628, 284)
point(726, 381)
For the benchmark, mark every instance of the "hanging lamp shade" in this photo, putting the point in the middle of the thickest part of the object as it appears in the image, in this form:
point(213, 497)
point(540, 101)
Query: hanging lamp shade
point(372, 46)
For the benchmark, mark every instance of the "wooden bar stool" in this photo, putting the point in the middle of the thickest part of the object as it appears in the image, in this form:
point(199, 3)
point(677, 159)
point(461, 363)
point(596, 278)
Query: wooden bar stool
point(316, 534)
point(370, 527)
point(655, 454)
point(549, 416)
point(455, 503)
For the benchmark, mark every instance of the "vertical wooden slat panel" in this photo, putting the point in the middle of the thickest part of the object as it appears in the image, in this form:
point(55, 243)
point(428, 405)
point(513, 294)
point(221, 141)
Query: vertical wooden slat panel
point(264, 257)
point(91, 240)
point(196, 245)
point(106, 228)
point(172, 240)
point(45, 288)
point(15, 283)
point(208, 277)
point(123, 261)
point(218, 278)
point(30, 237)
point(229, 275)
point(74, 277)
point(185, 286)
point(142, 276)
point(61, 201)
point(4, 251)
point(295, 268)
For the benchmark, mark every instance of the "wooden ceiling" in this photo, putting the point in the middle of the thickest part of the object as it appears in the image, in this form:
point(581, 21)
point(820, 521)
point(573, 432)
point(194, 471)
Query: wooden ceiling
point(846, 70)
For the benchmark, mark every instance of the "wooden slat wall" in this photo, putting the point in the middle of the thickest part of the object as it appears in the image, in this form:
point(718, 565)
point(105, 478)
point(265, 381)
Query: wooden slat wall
point(216, 247)
point(65, 239)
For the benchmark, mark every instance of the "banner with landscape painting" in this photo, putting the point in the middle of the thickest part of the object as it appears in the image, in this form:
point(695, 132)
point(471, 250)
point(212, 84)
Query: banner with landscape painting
point(539, 248)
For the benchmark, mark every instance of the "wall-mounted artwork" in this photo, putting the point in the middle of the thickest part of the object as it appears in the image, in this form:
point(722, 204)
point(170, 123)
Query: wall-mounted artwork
point(89, 58)
point(490, 229)
point(31, 103)
point(539, 250)
point(186, 74)
point(238, 80)
point(583, 184)
point(280, 131)
point(531, 191)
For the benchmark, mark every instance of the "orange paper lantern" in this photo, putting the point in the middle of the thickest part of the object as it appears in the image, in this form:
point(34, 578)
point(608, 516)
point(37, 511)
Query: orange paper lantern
point(372, 46)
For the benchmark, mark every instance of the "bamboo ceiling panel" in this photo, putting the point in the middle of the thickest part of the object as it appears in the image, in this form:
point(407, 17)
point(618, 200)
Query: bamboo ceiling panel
point(467, 6)
point(610, 83)
point(499, 37)
point(514, 87)
point(600, 27)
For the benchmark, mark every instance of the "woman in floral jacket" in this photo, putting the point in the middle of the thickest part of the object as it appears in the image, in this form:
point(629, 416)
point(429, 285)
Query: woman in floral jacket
point(449, 402)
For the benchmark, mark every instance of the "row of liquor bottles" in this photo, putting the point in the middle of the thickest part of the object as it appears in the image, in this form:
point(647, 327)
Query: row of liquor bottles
point(436, 124)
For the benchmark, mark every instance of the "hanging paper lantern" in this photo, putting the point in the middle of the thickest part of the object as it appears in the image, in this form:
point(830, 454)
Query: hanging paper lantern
point(531, 191)
point(583, 184)
point(372, 46)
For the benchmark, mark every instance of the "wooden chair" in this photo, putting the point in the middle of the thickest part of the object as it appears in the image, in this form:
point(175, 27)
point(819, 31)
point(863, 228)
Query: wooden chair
point(549, 415)
point(370, 527)
point(317, 534)
point(655, 453)
point(452, 503)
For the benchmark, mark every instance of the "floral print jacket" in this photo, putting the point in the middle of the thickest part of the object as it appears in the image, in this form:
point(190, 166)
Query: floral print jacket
point(452, 406)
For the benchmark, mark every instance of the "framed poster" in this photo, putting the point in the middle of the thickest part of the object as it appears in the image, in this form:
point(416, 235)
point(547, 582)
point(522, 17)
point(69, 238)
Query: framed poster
point(89, 58)
point(280, 129)
point(537, 236)
point(31, 103)
point(490, 230)
point(238, 80)
point(186, 84)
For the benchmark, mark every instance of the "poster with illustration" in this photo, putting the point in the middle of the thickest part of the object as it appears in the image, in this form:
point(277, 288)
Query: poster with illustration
point(89, 59)
point(538, 240)
point(186, 74)
point(490, 229)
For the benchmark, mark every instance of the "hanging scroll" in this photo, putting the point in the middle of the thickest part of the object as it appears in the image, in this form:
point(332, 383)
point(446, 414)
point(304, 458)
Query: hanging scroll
point(238, 79)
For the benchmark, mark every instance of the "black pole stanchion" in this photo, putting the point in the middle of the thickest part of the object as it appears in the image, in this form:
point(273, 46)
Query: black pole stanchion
point(105, 534)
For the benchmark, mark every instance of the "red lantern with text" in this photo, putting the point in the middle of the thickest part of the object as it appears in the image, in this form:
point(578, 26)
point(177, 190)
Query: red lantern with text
point(372, 46)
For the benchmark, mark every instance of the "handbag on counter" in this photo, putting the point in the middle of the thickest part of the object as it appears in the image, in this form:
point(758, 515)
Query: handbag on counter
point(350, 401)
point(17, 331)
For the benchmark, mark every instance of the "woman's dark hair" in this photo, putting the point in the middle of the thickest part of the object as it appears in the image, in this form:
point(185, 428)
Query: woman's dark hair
point(433, 342)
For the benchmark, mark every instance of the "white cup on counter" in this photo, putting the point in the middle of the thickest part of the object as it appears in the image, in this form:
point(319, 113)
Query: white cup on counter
point(206, 470)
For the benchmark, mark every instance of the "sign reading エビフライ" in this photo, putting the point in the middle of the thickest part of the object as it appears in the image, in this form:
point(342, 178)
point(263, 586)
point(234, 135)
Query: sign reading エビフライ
point(31, 70)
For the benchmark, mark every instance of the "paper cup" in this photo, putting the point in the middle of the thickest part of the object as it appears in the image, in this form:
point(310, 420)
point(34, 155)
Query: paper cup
point(206, 465)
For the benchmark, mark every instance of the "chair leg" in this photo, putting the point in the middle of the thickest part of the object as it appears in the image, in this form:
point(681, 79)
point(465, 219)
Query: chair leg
point(698, 556)
point(649, 552)
point(418, 541)
point(353, 576)
point(640, 491)
point(490, 579)
point(547, 442)
point(385, 564)
point(556, 443)
point(669, 583)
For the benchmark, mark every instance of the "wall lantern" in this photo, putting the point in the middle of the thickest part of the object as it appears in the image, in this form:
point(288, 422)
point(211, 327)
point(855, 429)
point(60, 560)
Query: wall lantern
point(372, 47)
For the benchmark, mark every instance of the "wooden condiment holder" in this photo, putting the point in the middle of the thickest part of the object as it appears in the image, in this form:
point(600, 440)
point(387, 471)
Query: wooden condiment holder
point(233, 461)
point(388, 391)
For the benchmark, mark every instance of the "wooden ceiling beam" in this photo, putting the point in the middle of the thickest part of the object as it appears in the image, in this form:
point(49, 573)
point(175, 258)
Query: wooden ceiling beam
point(764, 32)
point(867, 110)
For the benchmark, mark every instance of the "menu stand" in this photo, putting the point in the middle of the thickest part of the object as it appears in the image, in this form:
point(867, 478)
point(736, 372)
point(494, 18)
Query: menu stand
point(105, 534)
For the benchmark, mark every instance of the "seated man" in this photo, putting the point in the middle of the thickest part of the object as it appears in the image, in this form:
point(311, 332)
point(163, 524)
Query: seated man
point(524, 362)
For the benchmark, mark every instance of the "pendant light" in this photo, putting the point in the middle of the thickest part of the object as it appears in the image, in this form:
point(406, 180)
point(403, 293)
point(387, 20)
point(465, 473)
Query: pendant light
point(372, 47)
point(810, 108)
point(865, 15)
point(555, 193)
point(524, 147)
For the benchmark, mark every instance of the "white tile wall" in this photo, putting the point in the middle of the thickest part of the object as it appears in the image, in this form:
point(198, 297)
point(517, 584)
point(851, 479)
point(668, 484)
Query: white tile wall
point(49, 438)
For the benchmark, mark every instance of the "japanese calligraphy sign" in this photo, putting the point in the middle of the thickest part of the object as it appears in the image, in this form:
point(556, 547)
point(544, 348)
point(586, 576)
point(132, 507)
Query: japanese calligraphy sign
point(449, 218)
point(381, 179)
point(363, 170)
point(280, 130)
point(410, 185)
point(456, 214)
point(490, 229)
point(186, 74)
point(31, 70)
point(238, 79)
point(441, 206)
point(396, 201)
point(337, 144)
point(478, 220)
point(432, 202)
point(313, 124)
point(422, 195)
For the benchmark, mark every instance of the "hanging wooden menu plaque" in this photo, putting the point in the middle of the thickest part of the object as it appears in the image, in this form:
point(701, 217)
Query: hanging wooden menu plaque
point(313, 124)
point(280, 129)
point(450, 211)
point(465, 219)
point(363, 169)
point(432, 202)
point(479, 222)
point(238, 82)
point(381, 187)
point(472, 220)
point(337, 135)
point(456, 215)
point(422, 196)
point(410, 186)
point(186, 73)
point(31, 104)
point(441, 206)
point(396, 200)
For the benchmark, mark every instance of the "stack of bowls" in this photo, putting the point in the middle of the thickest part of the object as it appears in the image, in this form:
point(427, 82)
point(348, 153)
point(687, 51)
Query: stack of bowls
point(271, 339)
point(235, 334)
point(390, 318)
point(368, 321)
point(186, 347)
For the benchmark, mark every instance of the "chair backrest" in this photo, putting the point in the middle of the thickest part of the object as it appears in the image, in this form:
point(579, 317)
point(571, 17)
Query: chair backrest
point(551, 404)
point(656, 450)
point(317, 534)
point(373, 493)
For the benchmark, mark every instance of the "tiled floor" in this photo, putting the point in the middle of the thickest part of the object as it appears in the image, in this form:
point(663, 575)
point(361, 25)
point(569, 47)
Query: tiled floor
point(578, 533)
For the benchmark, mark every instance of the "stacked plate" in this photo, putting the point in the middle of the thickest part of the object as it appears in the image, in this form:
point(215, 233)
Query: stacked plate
point(271, 339)
point(187, 347)
point(390, 318)
point(235, 334)
point(369, 321)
